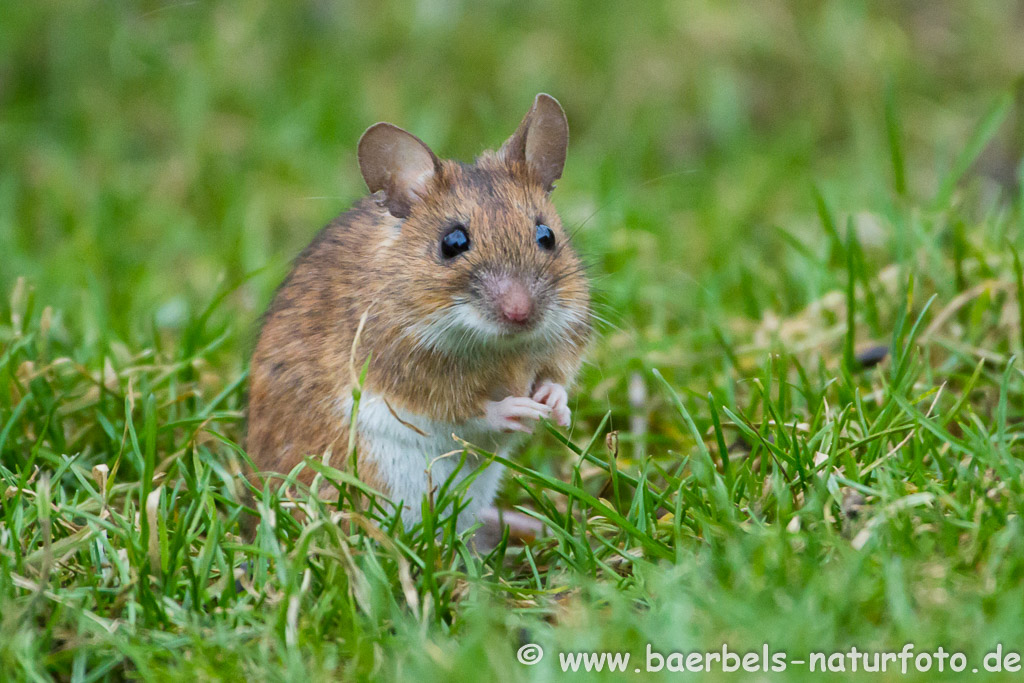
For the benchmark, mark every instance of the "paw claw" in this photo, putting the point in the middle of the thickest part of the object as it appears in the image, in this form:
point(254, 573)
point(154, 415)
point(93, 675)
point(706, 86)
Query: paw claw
point(515, 414)
point(555, 397)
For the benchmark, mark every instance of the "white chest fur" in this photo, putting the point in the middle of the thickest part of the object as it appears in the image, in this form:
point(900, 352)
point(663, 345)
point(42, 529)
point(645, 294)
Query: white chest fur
point(411, 462)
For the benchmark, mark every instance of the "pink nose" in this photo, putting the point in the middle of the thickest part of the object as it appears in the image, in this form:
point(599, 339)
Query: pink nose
point(514, 303)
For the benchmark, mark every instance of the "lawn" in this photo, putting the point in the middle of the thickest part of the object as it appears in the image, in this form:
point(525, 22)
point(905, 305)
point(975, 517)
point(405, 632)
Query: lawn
point(800, 428)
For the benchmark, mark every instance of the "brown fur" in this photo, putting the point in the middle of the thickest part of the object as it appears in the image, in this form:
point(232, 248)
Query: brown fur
point(369, 261)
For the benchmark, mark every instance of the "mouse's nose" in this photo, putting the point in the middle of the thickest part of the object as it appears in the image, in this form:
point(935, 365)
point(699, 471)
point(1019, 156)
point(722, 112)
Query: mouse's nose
point(511, 299)
point(515, 305)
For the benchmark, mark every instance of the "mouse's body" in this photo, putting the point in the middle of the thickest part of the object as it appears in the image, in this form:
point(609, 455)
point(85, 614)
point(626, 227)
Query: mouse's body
point(476, 316)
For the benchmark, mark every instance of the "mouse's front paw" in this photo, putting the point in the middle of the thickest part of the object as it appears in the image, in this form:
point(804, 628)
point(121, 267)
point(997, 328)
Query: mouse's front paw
point(515, 414)
point(555, 397)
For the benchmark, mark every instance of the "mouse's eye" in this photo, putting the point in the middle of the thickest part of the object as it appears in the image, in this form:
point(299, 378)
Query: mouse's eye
point(454, 242)
point(545, 237)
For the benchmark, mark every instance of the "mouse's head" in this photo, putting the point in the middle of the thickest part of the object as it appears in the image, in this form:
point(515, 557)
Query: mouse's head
point(477, 256)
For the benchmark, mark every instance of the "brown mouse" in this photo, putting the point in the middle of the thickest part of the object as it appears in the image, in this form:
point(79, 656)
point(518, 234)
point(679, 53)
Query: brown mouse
point(477, 313)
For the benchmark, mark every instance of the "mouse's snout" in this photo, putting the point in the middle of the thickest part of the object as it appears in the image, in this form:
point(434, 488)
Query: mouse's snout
point(510, 299)
point(515, 306)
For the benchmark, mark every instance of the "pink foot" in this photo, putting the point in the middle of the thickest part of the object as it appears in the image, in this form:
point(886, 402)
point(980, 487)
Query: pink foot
point(515, 414)
point(554, 397)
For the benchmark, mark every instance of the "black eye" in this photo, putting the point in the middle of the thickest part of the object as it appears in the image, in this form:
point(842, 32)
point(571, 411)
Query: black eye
point(454, 242)
point(545, 237)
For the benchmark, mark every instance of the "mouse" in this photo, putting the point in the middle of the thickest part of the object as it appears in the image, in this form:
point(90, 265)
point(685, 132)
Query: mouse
point(455, 288)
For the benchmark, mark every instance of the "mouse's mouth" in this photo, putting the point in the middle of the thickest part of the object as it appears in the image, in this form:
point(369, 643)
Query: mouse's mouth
point(511, 330)
point(494, 322)
point(473, 326)
point(497, 311)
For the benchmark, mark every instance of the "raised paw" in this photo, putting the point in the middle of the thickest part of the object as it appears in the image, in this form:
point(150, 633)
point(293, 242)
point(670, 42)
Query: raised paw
point(515, 414)
point(554, 397)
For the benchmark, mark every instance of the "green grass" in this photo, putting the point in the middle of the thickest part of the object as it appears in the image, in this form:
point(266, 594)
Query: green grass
point(764, 193)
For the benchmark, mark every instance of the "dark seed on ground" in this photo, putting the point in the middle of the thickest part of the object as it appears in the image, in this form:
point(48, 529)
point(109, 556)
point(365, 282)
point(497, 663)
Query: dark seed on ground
point(869, 358)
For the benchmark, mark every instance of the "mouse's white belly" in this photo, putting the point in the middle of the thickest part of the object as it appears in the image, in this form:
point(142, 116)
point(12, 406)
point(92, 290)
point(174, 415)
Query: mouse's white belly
point(410, 463)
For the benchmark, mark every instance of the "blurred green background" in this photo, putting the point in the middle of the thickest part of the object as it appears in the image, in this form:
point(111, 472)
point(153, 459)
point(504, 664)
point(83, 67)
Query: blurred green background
point(153, 154)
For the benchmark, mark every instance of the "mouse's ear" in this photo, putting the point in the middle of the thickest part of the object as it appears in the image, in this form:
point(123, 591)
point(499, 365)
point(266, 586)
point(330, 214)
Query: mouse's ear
point(398, 163)
point(541, 141)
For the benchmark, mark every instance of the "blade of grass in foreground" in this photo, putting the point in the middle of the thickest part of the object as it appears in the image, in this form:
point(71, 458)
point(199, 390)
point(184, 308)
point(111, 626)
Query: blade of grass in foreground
point(650, 544)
